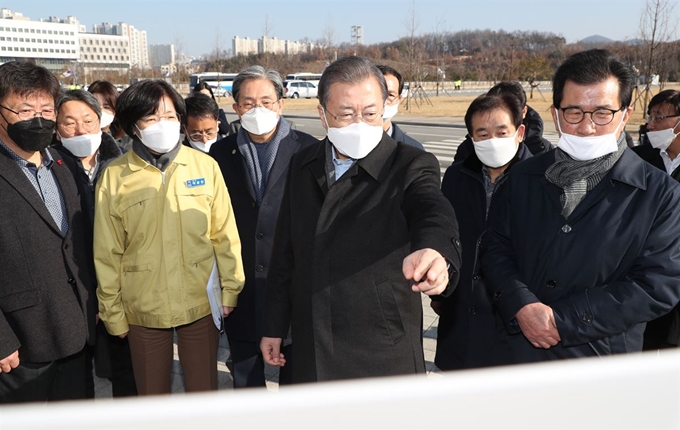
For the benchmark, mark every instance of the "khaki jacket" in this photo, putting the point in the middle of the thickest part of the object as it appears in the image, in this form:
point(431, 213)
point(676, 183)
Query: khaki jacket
point(157, 235)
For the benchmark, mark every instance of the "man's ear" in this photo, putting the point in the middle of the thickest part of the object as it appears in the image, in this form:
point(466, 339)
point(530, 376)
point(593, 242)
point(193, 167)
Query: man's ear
point(322, 117)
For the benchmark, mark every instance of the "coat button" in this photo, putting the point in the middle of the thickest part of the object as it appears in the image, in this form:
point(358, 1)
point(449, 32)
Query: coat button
point(551, 283)
point(259, 236)
point(259, 268)
point(456, 242)
point(473, 311)
point(566, 228)
point(477, 277)
point(497, 295)
point(71, 281)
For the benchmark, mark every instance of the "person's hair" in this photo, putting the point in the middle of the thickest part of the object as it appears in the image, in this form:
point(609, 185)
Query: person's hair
point(202, 85)
point(141, 99)
point(107, 90)
point(200, 106)
point(513, 88)
point(349, 70)
point(26, 79)
point(672, 97)
point(257, 72)
point(592, 67)
point(79, 96)
point(387, 70)
point(489, 102)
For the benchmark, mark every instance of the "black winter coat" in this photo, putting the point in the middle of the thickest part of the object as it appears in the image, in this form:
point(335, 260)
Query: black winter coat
point(606, 270)
point(400, 136)
point(466, 334)
point(336, 271)
point(256, 225)
point(664, 330)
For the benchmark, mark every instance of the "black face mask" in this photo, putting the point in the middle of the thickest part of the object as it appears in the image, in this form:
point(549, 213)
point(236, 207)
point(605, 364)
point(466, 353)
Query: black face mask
point(32, 134)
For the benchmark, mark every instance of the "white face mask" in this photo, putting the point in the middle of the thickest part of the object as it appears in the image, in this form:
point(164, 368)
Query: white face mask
point(259, 120)
point(160, 137)
point(356, 140)
point(82, 145)
point(590, 147)
point(205, 147)
point(390, 111)
point(106, 119)
point(662, 139)
point(497, 151)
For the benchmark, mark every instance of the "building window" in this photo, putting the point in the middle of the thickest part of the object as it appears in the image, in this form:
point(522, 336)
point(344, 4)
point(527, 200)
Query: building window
point(33, 40)
point(21, 39)
point(14, 39)
point(34, 50)
point(40, 50)
point(32, 30)
point(23, 49)
point(49, 31)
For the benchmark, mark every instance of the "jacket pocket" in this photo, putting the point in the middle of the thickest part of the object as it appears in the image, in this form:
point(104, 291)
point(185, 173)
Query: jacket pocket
point(390, 310)
point(18, 301)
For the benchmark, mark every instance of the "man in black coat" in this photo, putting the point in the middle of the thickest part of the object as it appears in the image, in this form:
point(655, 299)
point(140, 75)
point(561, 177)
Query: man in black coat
point(663, 133)
point(47, 300)
point(395, 86)
point(533, 124)
point(466, 333)
point(363, 230)
point(583, 245)
point(254, 163)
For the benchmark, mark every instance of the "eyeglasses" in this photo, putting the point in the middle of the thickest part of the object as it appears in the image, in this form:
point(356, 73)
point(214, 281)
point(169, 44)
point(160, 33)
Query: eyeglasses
point(659, 118)
point(198, 136)
point(264, 103)
point(153, 119)
point(70, 127)
point(25, 114)
point(602, 116)
point(345, 119)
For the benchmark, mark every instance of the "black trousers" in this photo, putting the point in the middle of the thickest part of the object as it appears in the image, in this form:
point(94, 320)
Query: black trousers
point(64, 379)
point(113, 361)
point(248, 364)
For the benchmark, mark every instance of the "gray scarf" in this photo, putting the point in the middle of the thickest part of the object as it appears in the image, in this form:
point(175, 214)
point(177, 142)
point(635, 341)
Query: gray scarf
point(160, 162)
point(577, 177)
point(258, 175)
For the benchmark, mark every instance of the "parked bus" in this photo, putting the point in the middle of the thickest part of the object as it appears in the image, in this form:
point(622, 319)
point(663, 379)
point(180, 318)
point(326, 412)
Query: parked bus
point(219, 82)
point(309, 77)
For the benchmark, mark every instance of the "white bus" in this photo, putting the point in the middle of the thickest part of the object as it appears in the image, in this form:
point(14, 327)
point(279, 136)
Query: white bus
point(309, 77)
point(219, 82)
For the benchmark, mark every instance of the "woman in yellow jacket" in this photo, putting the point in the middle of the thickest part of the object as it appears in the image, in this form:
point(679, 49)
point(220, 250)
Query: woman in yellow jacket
point(163, 218)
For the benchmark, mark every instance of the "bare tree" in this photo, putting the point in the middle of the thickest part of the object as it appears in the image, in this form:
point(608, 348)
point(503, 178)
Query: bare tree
point(656, 29)
point(328, 37)
point(413, 50)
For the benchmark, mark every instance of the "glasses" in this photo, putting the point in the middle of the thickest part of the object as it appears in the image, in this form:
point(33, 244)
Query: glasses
point(602, 116)
point(345, 119)
point(25, 114)
point(198, 136)
point(659, 118)
point(70, 127)
point(153, 119)
point(268, 104)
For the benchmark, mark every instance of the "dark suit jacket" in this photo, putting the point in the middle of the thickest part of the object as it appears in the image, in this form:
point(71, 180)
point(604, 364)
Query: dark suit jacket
point(400, 136)
point(336, 270)
point(46, 287)
point(256, 225)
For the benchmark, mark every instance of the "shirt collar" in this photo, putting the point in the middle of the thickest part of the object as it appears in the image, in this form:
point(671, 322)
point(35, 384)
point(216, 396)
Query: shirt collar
point(47, 157)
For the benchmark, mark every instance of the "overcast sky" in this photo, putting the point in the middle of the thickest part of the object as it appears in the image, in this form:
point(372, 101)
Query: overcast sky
point(197, 25)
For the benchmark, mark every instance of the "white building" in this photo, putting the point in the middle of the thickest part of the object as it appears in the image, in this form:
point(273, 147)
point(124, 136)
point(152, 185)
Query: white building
point(139, 52)
point(102, 55)
point(52, 44)
point(247, 46)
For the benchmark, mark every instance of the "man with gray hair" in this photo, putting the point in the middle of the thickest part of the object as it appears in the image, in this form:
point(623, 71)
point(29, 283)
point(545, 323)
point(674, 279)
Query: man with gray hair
point(363, 230)
point(254, 163)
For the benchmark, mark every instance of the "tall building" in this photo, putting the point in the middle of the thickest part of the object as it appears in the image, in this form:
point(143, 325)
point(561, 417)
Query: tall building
point(50, 43)
point(245, 46)
point(161, 55)
point(139, 51)
point(357, 35)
